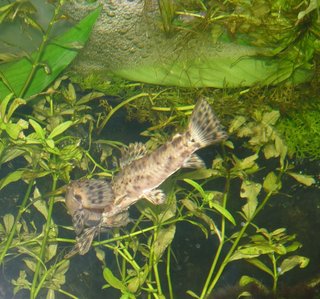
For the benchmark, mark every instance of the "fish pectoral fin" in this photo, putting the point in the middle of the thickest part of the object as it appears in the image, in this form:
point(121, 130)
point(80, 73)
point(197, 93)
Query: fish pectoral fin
point(79, 218)
point(194, 162)
point(84, 242)
point(157, 196)
point(133, 152)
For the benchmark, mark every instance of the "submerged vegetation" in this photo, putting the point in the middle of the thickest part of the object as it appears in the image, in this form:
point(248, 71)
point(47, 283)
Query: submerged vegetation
point(53, 129)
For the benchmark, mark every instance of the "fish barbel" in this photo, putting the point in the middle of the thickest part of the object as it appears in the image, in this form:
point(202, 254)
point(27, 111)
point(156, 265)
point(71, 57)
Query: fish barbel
point(95, 203)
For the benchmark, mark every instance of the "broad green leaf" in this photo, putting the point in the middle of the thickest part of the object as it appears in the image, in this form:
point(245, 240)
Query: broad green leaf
point(250, 189)
point(270, 151)
point(136, 282)
point(31, 264)
point(10, 178)
point(89, 97)
point(293, 261)
point(163, 240)
point(259, 264)
point(13, 130)
point(198, 174)
point(251, 251)
point(270, 118)
point(236, 123)
point(39, 203)
point(57, 55)
point(41, 134)
point(245, 280)
point(294, 246)
point(8, 221)
point(60, 129)
point(41, 206)
point(4, 104)
point(112, 280)
point(304, 179)
point(50, 143)
point(247, 162)
point(271, 183)
point(224, 212)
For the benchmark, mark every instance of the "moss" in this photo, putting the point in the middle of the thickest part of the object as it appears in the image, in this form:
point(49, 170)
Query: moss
point(301, 132)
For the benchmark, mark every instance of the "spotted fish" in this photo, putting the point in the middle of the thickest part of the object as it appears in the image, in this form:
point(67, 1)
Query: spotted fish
point(97, 203)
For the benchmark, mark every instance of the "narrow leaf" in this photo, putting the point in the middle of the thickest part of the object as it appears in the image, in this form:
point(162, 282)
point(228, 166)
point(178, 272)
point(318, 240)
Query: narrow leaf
point(60, 129)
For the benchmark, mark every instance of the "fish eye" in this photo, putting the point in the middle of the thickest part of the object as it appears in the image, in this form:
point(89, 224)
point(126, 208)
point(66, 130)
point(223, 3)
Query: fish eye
point(78, 197)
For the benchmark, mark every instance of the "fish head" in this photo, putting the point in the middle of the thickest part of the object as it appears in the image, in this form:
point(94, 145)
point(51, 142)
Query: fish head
point(93, 194)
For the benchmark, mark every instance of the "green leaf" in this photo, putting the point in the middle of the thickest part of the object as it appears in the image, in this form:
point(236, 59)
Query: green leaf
point(247, 162)
point(57, 55)
point(245, 280)
point(60, 129)
point(137, 281)
point(31, 264)
point(270, 118)
point(4, 104)
point(41, 134)
point(192, 294)
point(251, 251)
point(260, 265)
point(112, 280)
point(8, 221)
point(271, 183)
point(304, 179)
point(10, 178)
point(293, 261)
point(224, 212)
point(89, 97)
point(196, 186)
point(236, 123)
point(13, 130)
point(250, 189)
point(163, 240)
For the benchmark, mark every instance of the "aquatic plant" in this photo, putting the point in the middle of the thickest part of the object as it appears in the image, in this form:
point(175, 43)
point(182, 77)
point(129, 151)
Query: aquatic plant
point(55, 137)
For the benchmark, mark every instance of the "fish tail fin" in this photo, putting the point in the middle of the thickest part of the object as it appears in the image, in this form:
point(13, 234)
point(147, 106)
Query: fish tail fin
point(204, 126)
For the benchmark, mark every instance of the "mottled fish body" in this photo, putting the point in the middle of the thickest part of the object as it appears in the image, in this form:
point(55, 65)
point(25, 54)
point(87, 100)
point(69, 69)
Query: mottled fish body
point(142, 172)
point(96, 204)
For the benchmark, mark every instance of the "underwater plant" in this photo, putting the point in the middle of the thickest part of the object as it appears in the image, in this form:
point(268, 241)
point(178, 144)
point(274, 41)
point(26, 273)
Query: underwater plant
point(52, 133)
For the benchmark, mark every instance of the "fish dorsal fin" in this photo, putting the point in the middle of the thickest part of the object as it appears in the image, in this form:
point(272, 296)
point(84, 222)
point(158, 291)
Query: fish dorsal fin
point(133, 152)
point(194, 162)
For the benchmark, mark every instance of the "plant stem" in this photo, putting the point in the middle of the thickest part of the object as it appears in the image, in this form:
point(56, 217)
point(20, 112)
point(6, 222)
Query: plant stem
point(37, 59)
point(34, 288)
point(221, 244)
point(236, 242)
point(17, 219)
point(168, 272)
point(275, 273)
